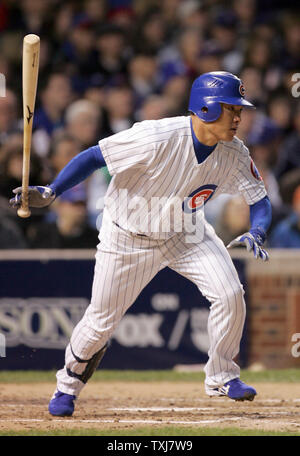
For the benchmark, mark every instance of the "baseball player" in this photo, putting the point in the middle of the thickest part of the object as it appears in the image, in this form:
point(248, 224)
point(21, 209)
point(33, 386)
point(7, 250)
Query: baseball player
point(155, 164)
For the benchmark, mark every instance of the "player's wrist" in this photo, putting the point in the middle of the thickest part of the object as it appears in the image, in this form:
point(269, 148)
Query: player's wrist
point(259, 235)
point(50, 191)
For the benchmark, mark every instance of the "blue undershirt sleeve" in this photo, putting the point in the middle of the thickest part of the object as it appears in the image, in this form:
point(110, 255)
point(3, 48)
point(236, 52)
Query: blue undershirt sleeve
point(78, 169)
point(261, 217)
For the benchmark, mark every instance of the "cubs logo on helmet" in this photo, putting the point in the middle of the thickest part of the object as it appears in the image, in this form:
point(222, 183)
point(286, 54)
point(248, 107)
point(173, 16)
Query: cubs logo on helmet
point(254, 171)
point(198, 198)
point(242, 89)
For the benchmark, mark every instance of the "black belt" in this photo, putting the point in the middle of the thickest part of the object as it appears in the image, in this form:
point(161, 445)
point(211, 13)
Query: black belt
point(135, 234)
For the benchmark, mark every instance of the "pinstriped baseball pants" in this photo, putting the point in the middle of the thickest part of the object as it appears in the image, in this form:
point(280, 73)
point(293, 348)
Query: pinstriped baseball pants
point(126, 263)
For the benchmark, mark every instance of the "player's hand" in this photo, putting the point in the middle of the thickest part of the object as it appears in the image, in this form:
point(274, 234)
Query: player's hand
point(253, 242)
point(37, 196)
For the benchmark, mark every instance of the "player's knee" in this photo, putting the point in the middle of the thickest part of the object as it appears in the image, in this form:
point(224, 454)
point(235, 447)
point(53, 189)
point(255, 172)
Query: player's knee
point(237, 294)
point(233, 294)
point(238, 291)
point(238, 306)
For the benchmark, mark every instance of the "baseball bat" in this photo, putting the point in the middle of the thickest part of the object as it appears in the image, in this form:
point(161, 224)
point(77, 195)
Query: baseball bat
point(30, 67)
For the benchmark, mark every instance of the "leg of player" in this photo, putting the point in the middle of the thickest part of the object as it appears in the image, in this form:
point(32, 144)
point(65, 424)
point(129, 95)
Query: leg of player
point(210, 267)
point(124, 266)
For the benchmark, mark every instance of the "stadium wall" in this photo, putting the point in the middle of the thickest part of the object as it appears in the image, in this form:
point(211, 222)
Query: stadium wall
point(43, 294)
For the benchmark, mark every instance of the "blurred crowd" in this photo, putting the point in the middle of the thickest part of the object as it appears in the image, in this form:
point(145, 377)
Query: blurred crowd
point(105, 64)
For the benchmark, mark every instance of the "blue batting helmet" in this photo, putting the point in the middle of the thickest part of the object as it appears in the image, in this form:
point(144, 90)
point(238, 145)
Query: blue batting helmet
point(211, 89)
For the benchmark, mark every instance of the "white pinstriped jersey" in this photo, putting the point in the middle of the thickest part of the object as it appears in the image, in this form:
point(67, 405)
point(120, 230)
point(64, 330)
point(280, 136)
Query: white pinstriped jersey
point(154, 162)
point(156, 159)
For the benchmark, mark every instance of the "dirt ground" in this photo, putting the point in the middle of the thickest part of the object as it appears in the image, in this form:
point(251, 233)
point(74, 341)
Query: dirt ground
point(120, 405)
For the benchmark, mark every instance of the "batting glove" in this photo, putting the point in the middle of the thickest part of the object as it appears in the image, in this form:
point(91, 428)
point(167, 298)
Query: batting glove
point(253, 240)
point(37, 196)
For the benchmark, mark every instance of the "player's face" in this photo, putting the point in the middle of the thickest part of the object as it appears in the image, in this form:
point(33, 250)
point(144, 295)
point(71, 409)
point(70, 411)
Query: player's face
point(226, 126)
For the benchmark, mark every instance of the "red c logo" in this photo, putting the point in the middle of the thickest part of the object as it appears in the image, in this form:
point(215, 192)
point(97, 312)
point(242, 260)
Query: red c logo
point(242, 89)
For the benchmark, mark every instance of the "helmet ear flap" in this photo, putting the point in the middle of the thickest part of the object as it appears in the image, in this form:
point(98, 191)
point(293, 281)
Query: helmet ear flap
point(210, 111)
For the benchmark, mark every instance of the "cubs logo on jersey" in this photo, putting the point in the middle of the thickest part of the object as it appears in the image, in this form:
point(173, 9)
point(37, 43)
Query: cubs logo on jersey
point(198, 198)
point(254, 171)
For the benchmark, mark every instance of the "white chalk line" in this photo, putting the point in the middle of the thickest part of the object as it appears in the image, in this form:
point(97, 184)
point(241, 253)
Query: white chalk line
point(22, 405)
point(116, 421)
point(220, 399)
point(187, 409)
point(160, 409)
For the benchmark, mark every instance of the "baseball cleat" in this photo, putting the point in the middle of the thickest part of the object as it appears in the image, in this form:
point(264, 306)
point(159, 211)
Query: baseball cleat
point(61, 404)
point(235, 389)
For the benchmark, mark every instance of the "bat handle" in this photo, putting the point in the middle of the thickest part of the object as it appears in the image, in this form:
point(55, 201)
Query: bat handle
point(24, 210)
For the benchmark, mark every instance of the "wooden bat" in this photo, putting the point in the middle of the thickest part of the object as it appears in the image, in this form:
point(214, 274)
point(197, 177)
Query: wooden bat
point(30, 64)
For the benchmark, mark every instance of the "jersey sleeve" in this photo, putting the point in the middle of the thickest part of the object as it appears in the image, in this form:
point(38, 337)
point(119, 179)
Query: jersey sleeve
point(128, 149)
point(246, 179)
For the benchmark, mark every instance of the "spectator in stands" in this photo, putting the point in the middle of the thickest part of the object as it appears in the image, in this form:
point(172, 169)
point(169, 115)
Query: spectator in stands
point(287, 233)
point(280, 112)
point(143, 77)
point(263, 142)
point(253, 80)
point(192, 13)
point(233, 220)
point(176, 90)
point(95, 11)
point(11, 236)
point(289, 151)
point(258, 54)
point(262, 56)
point(96, 93)
point(150, 33)
point(71, 229)
point(155, 107)
point(33, 16)
point(11, 164)
point(49, 117)
point(62, 24)
point(224, 34)
point(210, 58)
point(124, 17)
point(78, 53)
point(63, 148)
point(118, 113)
point(290, 53)
point(84, 125)
point(170, 10)
point(183, 57)
point(112, 58)
point(245, 11)
point(83, 122)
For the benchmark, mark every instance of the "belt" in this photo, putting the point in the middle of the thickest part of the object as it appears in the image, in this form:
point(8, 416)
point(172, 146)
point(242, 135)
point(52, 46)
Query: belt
point(134, 234)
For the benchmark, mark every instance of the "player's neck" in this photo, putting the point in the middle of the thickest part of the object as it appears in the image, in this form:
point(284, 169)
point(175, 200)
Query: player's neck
point(203, 135)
